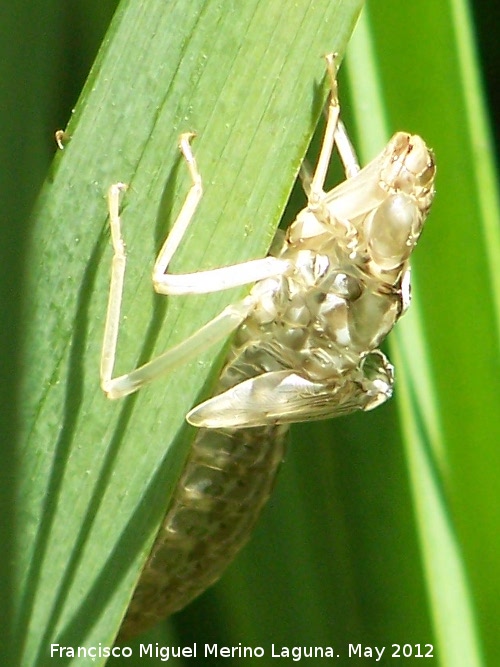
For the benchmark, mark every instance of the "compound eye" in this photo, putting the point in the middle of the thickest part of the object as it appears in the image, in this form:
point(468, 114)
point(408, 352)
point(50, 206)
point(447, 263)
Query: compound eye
point(393, 231)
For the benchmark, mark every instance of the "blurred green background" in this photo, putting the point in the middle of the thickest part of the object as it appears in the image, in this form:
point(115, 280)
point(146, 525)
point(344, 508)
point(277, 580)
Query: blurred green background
point(353, 547)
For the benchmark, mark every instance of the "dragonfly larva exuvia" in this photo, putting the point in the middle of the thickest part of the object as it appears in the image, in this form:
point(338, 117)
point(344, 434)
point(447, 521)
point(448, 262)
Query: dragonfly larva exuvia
point(305, 347)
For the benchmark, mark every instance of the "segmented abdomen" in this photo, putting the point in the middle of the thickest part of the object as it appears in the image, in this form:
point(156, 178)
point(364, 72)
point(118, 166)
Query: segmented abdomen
point(227, 479)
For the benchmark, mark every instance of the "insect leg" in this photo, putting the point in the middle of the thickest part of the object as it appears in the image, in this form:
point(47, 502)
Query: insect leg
point(318, 178)
point(305, 175)
point(346, 151)
point(335, 134)
point(112, 324)
point(218, 328)
point(214, 280)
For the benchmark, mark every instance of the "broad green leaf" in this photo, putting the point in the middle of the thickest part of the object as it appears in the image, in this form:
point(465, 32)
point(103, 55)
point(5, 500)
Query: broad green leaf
point(96, 474)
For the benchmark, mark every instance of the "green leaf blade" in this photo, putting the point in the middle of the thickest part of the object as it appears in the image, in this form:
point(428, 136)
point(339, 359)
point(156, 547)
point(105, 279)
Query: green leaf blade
point(96, 474)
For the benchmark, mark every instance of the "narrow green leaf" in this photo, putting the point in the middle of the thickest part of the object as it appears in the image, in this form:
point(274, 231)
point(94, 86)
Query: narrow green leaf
point(446, 384)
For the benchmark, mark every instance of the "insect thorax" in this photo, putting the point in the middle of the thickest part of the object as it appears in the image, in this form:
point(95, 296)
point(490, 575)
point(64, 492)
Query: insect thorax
point(347, 285)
